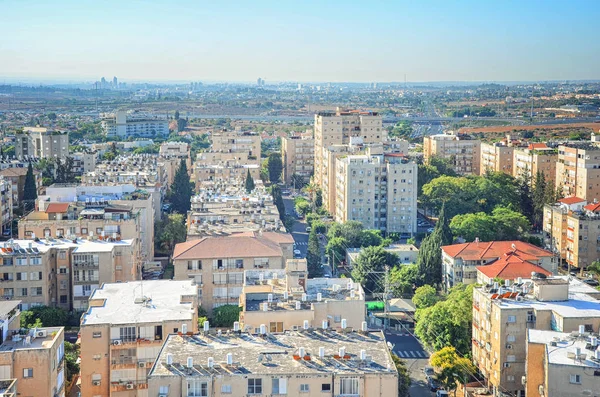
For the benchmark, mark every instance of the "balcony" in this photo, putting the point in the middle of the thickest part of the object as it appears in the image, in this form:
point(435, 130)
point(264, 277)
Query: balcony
point(124, 386)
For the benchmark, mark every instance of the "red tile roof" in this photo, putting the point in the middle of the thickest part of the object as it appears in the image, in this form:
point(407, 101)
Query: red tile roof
point(571, 200)
point(494, 249)
point(537, 146)
point(232, 246)
point(594, 207)
point(60, 208)
point(510, 267)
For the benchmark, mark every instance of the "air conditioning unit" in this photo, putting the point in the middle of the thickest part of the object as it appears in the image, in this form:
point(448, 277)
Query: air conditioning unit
point(541, 390)
point(41, 333)
point(506, 365)
point(295, 328)
point(523, 380)
point(96, 382)
point(142, 364)
point(508, 346)
point(129, 386)
point(117, 342)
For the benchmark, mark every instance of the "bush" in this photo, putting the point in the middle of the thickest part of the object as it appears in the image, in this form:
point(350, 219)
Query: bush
point(225, 316)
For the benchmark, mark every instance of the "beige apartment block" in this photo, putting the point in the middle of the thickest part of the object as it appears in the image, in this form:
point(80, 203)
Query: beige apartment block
point(328, 171)
point(341, 128)
point(6, 207)
point(562, 364)
point(407, 254)
point(146, 204)
point(175, 149)
point(502, 316)
point(311, 363)
point(17, 176)
point(224, 207)
point(462, 150)
point(84, 162)
point(378, 190)
point(209, 167)
point(124, 328)
point(237, 141)
point(578, 170)
point(496, 157)
point(298, 157)
point(34, 358)
point(284, 300)
point(460, 261)
point(63, 272)
point(537, 157)
point(217, 264)
point(41, 143)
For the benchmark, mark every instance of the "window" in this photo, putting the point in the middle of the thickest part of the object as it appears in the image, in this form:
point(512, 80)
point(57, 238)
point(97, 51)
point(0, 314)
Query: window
point(62, 254)
point(279, 386)
point(163, 390)
point(511, 358)
point(197, 389)
point(304, 388)
point(62, 270)
point(28, 373)
point(261, 263)
point(36, 260)
point(22, 276)
point(21, 261)
point(239, 263)
point(512, 319)
point(97, 334)
point(226, 389)
point(349, 386)
point(23, 291)
point(63, 299)
point(36, 291)
point(510, 338)
point(510, 378)
point(84, 231)
point(275, 327)
point(254, 386)
point(326, 387)
point(219, 278)
point(575, 379)
point(127, 333)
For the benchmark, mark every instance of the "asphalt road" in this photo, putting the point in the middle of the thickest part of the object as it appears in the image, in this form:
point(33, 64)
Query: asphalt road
point(409, 349)
point(299, 229)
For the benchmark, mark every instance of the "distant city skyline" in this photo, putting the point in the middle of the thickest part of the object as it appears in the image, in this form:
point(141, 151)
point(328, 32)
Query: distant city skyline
point(309, 41)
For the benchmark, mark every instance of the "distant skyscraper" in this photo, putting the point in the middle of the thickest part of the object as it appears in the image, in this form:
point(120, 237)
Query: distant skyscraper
point(103, 83)
point(260, 82)
point(115, 82)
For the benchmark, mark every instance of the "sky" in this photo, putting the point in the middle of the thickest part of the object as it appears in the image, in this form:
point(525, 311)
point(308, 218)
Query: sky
point(304, 41)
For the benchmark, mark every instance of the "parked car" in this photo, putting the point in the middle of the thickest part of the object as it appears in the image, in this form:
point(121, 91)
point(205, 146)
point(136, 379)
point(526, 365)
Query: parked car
point(591, 282)
point(428, 371)
point(433, 384)
point(297, 252)
point(308, 229)
point(441, 393)
point(430, 230)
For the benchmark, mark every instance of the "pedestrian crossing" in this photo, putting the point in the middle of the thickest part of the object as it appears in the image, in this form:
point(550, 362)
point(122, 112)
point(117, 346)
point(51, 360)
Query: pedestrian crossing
point(298, 243)
point(411, 354)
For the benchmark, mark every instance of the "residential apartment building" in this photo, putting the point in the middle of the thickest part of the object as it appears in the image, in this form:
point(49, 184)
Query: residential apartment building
point(298, 157)
point(41, 143)
point(502, 316)
point(463, 152)
point(496, 157)
point(141, 202)
point(124, 328)
point(379, 190)
point(31, 360)
point(284, 300)
point(128, 124)
point(223, 207)
point(578, 170)
point(340, 128)
point(176, 150)
point(63, 272)
point(460, 261)
point(84, 162)
point(6, 207)
point(294, 364)
point(217, 264)
point(562, 364)
point(537, 157)
point(17, 178)
point(407, 254)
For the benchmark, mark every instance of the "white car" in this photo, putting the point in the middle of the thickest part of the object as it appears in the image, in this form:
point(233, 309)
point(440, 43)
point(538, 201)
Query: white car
point(297, 252)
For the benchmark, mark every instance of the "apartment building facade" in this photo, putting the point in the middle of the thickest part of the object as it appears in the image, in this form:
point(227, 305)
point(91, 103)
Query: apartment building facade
point(33, 359)
point(496, 157)
point(460, 261)
point(578, 170)
point(311, 363)
point(298, 157)
point(562, 364)
point(84, 162)
point(502, 316)
point(378, 190)
point(6, 207)
point(463, 152)
point(17, 178)
point(285, 300)
point(537, 157)
point(41, 143)
point(124, 328)
point(217, 264)
point(340, 128)
point(124, 124)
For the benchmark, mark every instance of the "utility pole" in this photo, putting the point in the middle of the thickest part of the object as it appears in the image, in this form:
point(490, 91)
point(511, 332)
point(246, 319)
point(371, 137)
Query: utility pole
point(386, 293)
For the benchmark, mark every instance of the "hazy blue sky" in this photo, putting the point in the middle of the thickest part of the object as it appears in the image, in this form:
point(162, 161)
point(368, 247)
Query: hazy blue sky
point(301, 41)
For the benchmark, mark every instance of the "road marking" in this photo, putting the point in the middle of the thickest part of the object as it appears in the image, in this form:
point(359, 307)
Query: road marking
point(412, 354)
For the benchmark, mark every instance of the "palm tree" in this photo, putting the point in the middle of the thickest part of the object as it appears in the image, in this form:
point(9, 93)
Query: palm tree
point(594, 268)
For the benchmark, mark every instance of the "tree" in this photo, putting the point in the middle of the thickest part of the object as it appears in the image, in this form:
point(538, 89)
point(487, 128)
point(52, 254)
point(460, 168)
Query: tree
point(318, 198)
point(350, 230)
point(298, 181)
point(275, 167)
point(170, 231)
point(502, 224)
point(370, 238)
point(424, 297)
point(71, 358)
point(540, 196)
point(403, 279)
point(249, 183)
point(453, 369)
point(109, 156)
point(336, 250)
point(443, 228)
point(226, 315)
point(594, 268)
point(313, 255)
point(30, 188)
point(429, 260)
point(51, 116)
point(370, 264)
point(181, 189)
point(278, 201)
point(302, 207)
point(176, 115)
point(403, 376)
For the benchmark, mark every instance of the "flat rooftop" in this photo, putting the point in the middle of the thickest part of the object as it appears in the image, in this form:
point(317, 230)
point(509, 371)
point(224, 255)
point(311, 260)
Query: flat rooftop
point(163, 302)
point(32, 339)
point(561, 348)
point(274, 354)
point(32, 247)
